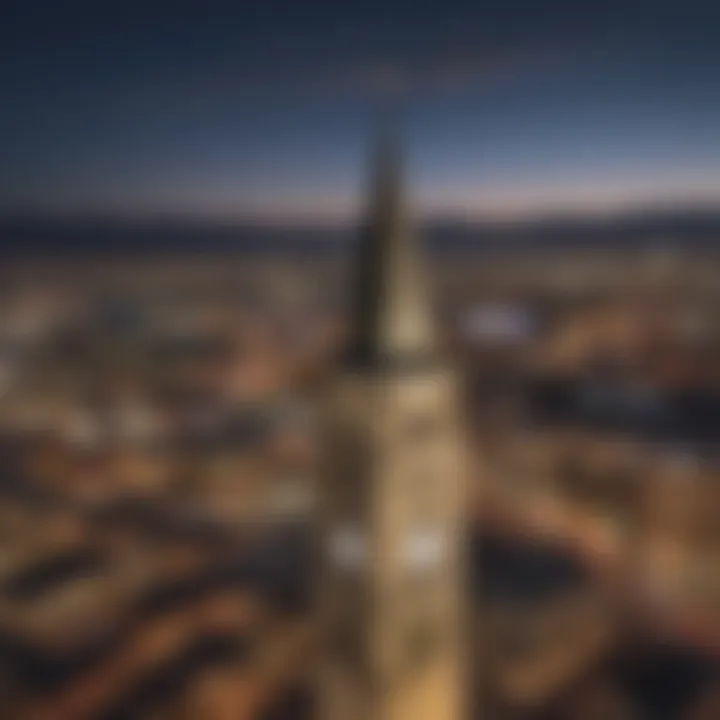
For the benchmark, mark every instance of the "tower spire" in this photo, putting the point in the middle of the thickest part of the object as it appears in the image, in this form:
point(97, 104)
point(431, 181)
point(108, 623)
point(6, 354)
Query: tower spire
point(391, 599)
point(390, 318)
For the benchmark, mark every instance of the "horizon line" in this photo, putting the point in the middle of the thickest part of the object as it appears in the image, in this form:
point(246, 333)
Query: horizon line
point(300, 221)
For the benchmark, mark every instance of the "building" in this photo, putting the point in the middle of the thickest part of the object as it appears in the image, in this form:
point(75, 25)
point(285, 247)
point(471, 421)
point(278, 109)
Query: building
point(391, 594)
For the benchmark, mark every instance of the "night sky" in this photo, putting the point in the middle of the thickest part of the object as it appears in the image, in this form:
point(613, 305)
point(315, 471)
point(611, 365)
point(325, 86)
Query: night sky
point(265, 109)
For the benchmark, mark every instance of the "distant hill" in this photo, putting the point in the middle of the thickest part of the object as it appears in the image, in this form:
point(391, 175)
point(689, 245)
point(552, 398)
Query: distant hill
point(97, 238)
point(686, 228)
point(24, 237)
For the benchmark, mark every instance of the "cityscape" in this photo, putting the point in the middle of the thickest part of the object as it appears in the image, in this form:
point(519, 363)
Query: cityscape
point(359, 361)
point(160, 456)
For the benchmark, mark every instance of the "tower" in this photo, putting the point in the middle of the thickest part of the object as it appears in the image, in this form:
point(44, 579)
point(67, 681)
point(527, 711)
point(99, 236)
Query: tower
point(391, 605)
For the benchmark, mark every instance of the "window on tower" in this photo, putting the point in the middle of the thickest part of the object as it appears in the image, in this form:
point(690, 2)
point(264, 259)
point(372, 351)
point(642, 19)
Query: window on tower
point(347, 547)
point(423, 550)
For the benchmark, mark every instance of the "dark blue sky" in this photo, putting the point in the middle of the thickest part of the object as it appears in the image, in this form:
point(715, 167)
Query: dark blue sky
point(265, 108)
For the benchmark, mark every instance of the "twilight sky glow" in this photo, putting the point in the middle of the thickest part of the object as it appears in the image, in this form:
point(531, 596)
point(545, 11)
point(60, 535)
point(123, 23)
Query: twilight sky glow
point(261, 108)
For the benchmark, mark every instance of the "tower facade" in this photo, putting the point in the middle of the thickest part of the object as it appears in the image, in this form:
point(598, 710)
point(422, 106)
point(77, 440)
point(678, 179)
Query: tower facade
point(391, 605)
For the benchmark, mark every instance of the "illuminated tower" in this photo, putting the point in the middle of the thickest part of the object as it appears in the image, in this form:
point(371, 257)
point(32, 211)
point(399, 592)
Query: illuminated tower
point(391, 607)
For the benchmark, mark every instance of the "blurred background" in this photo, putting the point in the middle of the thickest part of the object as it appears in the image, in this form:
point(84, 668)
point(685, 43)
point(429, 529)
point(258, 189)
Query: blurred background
point(180, 186)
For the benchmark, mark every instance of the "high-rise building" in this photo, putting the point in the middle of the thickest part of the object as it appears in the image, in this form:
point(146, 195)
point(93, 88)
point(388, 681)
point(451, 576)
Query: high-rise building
point(392, 596)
